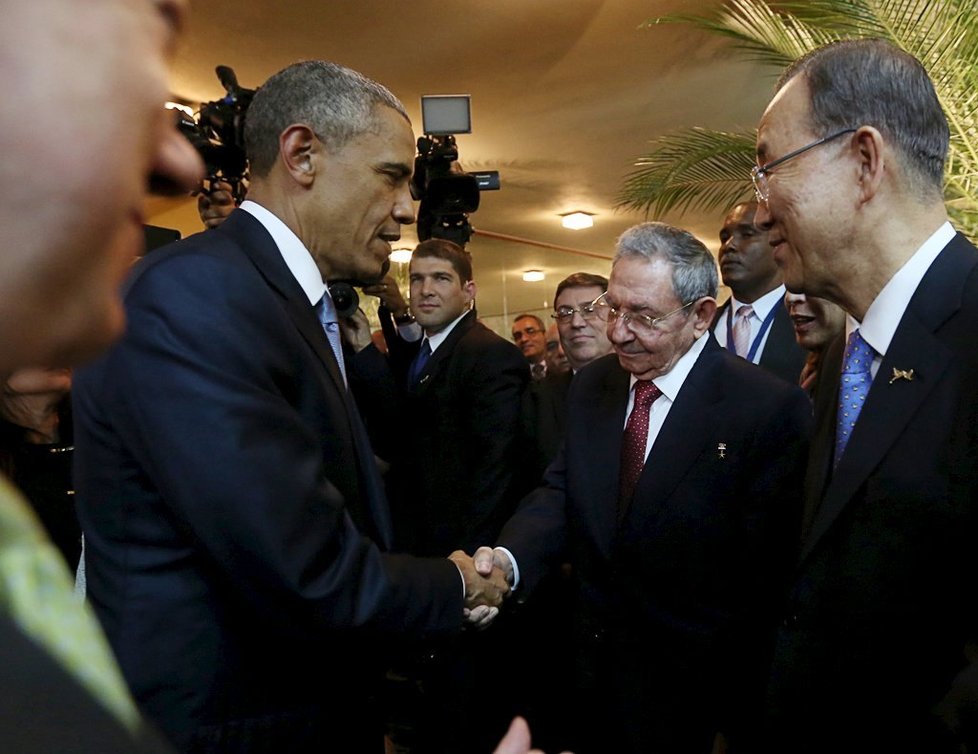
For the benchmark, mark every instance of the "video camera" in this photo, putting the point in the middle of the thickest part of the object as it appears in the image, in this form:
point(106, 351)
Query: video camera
point(447, 193)
point(218, 134)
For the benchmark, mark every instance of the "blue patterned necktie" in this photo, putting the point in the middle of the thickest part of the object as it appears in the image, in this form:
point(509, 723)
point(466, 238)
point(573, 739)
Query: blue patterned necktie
point(417, 366)
point(853, 389)
point(326, 314)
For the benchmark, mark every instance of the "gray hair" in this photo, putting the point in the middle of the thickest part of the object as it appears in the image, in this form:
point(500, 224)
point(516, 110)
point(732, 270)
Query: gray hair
point(337, 103)
point(871, 82)
point(694, 271)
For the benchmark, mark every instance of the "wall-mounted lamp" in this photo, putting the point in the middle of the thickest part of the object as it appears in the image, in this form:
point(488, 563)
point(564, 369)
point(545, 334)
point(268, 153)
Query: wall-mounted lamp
point(401, 256)
point(533, 276)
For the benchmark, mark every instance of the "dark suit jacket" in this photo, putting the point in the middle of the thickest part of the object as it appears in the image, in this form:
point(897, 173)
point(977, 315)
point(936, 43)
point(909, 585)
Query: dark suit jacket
point(234, 517)
point(781, 355)
point(882, 601)
point(544, 417)
point(458, 478)
point(45, 710)
point(670, 597)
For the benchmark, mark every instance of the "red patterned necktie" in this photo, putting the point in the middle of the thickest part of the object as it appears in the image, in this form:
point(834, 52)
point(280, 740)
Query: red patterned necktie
point(633, 441)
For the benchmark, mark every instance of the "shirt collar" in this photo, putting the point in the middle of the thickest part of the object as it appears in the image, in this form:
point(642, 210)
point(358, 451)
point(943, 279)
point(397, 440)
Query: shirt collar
point(439, 337)
point(672, 381)
point(884, 314)
point(295, 254)
point(762, 307)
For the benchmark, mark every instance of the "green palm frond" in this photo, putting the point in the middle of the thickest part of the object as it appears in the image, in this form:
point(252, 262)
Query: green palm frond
point(693, 169)
point(942, 34)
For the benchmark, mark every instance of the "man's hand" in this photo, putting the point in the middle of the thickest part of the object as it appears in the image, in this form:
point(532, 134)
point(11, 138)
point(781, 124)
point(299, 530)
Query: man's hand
point(214, 205)
point(486, 558)
point(30, 398)
point(356, 330)
point(517, 739)
point(389, 294)
point(489, 589)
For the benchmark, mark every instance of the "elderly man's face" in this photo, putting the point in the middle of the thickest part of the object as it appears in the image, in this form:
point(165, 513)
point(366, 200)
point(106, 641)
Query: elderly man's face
point(809, 208)
point(89, 81)
point(584, 339)
point(816, 321)
point(529, 336)
point(640, 286)
point(360, 199)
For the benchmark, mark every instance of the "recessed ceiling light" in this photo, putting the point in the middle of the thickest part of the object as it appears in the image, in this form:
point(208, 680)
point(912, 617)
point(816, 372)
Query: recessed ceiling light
point(401, 256)
point(533, 276)
point(577, 220)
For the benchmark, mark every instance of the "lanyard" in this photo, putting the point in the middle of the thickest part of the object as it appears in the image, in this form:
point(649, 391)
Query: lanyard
point(765, 325)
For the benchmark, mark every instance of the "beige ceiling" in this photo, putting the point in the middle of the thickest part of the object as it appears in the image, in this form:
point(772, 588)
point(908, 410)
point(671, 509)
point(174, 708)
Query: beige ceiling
point(565, 94)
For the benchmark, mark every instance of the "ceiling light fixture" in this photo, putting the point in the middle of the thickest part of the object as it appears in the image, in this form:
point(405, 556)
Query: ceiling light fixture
point(577, 220)
point(401, 256)
point(533, 276)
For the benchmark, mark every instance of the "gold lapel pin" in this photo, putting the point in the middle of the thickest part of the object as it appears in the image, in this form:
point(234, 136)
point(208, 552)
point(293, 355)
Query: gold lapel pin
point(901, 374)
point(721, 450)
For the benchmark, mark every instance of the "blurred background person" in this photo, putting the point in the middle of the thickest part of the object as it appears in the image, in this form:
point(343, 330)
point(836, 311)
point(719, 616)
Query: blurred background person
point(753, 323)
point(36, 451)
point(529, 335)
point(817, 322)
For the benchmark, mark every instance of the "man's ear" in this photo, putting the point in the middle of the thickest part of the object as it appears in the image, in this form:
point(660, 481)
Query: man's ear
point(704, 311)
point(469, 288)
point(869, 148)
point(298, 147)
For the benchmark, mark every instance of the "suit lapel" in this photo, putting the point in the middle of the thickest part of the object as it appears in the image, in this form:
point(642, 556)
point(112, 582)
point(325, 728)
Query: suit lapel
point(678, 443)
point(251, 236)
point(439, 357)
point(258, 245)
point(891, 404)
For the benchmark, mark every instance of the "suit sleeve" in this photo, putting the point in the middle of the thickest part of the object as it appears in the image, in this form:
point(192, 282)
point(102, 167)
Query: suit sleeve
point(203, 394)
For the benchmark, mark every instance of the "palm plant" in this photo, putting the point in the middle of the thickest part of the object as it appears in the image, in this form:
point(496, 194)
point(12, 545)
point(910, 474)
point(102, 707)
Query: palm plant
point(703, 169)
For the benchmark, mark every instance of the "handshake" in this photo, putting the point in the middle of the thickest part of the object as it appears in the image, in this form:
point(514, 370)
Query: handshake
point(488, 577)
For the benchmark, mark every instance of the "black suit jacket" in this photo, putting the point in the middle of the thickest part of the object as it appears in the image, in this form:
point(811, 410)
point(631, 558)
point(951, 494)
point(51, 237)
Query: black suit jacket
point(234, 517)
point(882, 603)
point(670, 596)
point(544, 417)
point(458, 478)
point(781, 355)
point(45, 710)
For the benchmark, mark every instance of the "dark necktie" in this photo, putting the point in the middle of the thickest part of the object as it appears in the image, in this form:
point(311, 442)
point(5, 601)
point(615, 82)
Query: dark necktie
point(633, 442)
point(326, 314)
point(853, 389)
point(417, 366)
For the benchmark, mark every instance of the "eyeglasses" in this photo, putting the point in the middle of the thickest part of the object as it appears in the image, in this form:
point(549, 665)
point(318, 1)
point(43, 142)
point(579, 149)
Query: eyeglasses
point(637, 323)
point(526, 332)
point(760, 173)
point(564, 313)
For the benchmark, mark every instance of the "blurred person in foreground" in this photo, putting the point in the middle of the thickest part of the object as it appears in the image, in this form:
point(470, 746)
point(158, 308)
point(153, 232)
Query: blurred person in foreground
point(98, 71)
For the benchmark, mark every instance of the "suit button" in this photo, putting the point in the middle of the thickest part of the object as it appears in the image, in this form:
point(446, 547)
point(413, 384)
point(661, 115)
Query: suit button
point(790, 621)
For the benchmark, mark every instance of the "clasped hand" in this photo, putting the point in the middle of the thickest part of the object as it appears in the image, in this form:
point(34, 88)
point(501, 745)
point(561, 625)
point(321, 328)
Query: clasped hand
point(486, 585)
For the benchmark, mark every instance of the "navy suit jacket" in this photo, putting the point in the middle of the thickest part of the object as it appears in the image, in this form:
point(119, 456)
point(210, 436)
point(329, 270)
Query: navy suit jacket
point(234, 517)
point(882, 603)
point(672, 591)
point(781, 355)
